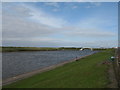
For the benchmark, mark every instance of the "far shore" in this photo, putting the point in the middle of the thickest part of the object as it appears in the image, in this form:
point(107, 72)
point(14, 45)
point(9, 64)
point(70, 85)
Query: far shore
point(17, 49)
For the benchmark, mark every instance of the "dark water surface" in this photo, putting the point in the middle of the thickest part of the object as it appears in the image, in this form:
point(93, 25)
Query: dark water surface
point(15, 63)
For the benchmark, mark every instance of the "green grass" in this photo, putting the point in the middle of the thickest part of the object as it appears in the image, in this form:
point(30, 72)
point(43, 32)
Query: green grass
point(89, 72)
point(13, 49)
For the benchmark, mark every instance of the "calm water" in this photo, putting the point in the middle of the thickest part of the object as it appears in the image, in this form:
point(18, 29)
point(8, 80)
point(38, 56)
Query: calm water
point(15, 63)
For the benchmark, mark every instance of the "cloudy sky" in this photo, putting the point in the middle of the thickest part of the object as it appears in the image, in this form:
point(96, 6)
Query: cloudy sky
point(58, 24)
point(60, 0)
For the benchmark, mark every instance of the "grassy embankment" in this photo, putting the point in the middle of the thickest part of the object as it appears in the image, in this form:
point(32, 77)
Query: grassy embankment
point(89, 72)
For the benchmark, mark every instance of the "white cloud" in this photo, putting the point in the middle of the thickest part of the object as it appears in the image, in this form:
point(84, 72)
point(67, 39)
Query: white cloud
point(50, 42)
point(96, 3)
point(37, 15)
point(54, 4)
point(37, 28)
point(18, 10)
point(74, 7)
point(42, 17)
point(33, 39)
point(84, 33)
point(47, 19)
point(18, 27)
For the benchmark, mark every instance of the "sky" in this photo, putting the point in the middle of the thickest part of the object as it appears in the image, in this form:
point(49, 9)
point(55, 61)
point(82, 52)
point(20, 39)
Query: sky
point(60, 24)
point(60, 0)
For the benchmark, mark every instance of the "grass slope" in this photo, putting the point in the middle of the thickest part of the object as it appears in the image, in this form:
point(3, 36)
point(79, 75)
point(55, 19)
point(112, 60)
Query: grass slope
point(89, 72)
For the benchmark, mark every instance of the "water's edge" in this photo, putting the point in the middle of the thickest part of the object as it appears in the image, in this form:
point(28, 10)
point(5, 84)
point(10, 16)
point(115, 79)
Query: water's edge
point(29, 74)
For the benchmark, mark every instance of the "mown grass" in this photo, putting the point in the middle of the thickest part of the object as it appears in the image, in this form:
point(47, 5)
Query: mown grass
point(88, 72)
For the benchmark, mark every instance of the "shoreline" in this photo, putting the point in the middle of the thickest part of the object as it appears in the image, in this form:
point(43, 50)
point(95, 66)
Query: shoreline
point(21, 49)
point(29, 74)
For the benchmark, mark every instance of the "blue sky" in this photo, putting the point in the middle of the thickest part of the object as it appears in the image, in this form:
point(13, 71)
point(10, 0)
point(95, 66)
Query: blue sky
point(58, 24)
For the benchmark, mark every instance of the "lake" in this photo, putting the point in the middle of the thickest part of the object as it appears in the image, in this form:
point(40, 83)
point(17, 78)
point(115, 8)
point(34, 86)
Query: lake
point(16, 63)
